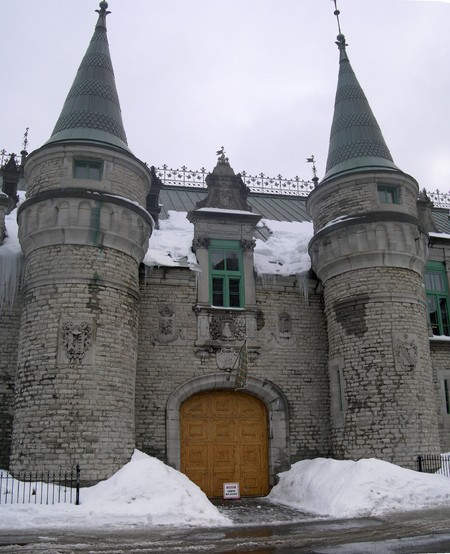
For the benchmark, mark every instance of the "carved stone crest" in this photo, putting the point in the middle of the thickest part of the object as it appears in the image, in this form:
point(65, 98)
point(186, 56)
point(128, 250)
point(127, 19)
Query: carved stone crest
point(406, 351)
point(226, 328)
point(76, 341)
point(226, 358)
point(167, 332)
point(284, 336)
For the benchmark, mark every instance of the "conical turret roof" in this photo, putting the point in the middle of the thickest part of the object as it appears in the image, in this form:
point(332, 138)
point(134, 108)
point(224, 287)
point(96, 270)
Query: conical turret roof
point(356, 141)
point(92, 112)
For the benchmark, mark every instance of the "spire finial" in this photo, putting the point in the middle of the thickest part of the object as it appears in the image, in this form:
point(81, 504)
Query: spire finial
point(337, 13)
point(103, 8)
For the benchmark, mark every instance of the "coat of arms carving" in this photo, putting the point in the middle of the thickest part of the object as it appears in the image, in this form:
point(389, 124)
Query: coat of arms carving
point(76, 340)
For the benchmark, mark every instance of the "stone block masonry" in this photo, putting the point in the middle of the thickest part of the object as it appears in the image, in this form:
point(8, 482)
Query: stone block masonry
point(385, 403)
point(77, 354)
point(292, 354)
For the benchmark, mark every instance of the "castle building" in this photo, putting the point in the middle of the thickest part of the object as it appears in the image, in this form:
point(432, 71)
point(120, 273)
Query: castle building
point(226, 329)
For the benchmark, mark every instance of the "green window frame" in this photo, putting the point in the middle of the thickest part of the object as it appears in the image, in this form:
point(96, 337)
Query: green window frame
point(88, 169)
point(447, 396)
point(436, 285)
point(226, 278)
point(388, 194)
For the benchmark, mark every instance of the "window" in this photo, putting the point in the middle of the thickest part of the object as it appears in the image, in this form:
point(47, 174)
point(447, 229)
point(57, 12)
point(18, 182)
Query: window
point(447, 397)
point(436, 285)
point(388, 194)
point(84, 169)
point(226, 279)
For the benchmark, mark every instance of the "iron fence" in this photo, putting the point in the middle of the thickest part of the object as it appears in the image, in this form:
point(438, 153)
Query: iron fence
point(57, 487)
point(434, 464)
point(261, 183)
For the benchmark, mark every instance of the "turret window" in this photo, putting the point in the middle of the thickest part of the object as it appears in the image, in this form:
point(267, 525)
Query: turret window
point(388, 194)
point(87, 169)
point(436, 284)
point(226, 278)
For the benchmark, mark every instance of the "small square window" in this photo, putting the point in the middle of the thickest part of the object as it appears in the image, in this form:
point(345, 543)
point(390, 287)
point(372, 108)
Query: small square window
point(84, 169)
point(388, 194)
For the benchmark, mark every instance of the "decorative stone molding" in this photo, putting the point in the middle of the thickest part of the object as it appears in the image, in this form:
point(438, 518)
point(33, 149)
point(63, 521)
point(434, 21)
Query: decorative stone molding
point(248, 244)
point(72, 216)
point(76, 338)
point(200, 242)
point(266, 391)
point(226, 327)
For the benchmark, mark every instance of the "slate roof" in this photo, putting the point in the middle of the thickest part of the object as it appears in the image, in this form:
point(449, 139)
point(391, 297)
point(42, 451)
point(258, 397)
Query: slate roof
point(91, 112)
point(356, 141)
point(270, 206)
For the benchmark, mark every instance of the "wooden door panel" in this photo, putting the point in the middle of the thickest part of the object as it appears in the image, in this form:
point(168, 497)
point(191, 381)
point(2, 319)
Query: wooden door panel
point(222, 430)
point(223, 458)
point(195, 431)
point(224, 438)
point(196, 457)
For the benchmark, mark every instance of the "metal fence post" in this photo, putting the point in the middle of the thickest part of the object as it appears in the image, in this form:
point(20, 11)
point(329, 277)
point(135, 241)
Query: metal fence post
point(77, 498)
point(419, 464)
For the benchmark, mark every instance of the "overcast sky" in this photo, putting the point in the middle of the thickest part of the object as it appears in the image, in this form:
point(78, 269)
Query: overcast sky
point(256, 76)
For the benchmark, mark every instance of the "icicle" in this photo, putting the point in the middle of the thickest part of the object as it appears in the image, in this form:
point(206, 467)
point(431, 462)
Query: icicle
point(11, 275)
point(303, 283)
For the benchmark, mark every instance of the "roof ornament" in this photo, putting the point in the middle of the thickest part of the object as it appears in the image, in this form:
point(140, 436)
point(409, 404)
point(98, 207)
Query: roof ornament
point(312, 161)
point(25, 139)
point(103, 8)
point(340, 38)
point(222, 158)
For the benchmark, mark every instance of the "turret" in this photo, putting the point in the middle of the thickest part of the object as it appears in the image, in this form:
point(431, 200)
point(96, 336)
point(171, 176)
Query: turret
point(84, 230)
point(369, 251)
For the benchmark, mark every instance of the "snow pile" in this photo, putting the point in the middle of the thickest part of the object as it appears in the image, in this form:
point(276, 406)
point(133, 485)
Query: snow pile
point(358, 489)
point(11, 260)
point(170, 245)
point(286, 250)
point(144, 492)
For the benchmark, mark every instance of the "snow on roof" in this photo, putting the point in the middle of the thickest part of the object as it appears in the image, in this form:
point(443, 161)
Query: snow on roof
point(284, 253)
point(170, 245)
point(440, 235)
point(368, 487)
point(286, 250)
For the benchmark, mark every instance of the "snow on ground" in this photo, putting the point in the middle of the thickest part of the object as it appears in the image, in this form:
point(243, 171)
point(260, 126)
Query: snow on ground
point(147, 492)
point(350, 489)
point(143, 492)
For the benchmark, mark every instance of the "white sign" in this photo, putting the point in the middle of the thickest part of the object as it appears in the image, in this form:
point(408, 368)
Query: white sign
point(231, 491)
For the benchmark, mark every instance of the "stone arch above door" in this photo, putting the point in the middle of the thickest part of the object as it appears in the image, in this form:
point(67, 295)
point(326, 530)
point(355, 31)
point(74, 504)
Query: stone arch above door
point(267, 392)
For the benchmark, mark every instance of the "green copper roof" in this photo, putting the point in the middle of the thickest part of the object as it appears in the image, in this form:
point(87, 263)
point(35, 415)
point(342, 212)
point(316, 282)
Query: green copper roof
point(356, 141)
point(92, 111)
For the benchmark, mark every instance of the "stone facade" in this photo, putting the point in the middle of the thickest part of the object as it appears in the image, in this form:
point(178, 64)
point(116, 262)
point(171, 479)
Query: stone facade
point(102, 351)
point(289, 356)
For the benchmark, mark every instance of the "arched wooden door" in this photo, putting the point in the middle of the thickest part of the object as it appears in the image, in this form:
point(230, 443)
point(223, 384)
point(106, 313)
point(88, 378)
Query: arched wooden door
point(224, 438)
